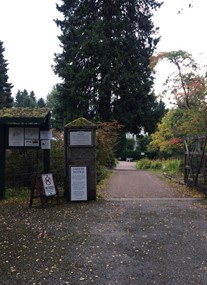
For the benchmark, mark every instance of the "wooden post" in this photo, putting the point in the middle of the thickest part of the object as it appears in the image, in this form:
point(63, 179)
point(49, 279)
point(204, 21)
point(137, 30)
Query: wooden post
point(2, 162)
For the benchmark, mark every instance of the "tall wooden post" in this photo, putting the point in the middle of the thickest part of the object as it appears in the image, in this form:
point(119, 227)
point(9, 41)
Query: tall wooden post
point(80, 156)
point(2, 162)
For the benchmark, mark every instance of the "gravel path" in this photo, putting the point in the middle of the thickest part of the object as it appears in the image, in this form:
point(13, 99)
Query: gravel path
point(129, 183)
point(145, 236)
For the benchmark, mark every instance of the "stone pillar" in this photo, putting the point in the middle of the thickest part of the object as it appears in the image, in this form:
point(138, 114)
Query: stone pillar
point(80, 151)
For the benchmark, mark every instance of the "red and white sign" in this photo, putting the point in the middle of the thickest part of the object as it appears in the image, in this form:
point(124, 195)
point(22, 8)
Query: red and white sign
point(48, 184)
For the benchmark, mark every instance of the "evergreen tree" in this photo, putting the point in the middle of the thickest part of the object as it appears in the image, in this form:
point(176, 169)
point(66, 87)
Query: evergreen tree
point(41, 103)
point(105, 60)
point(24, 99)
point(6, 99)
point(53, 103)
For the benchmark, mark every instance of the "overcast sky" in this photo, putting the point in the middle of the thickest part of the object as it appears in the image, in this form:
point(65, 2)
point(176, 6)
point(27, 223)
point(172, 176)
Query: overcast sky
point(30, 39)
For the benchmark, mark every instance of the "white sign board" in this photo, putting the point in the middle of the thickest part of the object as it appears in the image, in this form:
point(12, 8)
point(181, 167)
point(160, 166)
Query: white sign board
point(78, 183)
point(80, 138)
point(33, 142)
point(45, 144)
point(45, 135)
point(31, 133)
point(16, 136)
point(48, 184)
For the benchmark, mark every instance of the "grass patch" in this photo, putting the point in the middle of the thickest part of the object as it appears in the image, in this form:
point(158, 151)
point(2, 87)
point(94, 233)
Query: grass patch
point(173, 175)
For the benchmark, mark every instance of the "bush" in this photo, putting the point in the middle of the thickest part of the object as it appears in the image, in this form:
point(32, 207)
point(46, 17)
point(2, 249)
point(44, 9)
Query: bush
point(144, 163)
point(102, 172)
point(172, 166)
point(157, 164)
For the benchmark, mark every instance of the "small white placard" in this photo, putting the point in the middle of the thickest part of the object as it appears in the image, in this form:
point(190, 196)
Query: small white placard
point(78, 183)
point(80, 138)
point(33, 142)
point(48, 184)
point(45, 144)
point(45, 135)
point(31, 133)
point(16, 136)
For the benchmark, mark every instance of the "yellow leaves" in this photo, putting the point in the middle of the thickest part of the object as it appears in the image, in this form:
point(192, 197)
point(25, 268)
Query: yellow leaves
point(154, 59)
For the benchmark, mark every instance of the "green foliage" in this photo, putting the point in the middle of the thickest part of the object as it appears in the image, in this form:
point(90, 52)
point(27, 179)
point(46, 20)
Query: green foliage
point(169, 128)
point(171, 166)
point(53, 103)
point(41, 103)
point(107, 135)
point(104, 63)
point(6, 99)
point(130, 144)
point(102, 172)
point(144, 163)
point(24, 99)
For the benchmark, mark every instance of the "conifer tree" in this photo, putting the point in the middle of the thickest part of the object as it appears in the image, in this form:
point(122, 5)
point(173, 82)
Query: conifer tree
point(6, 99)
point(104, 62)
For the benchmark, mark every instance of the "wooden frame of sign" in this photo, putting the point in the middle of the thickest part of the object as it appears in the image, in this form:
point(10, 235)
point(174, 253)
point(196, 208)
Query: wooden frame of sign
point(43, 191)
point(78, 176)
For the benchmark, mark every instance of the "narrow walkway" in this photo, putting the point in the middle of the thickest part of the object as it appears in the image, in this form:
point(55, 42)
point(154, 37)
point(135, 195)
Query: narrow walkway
point(128, 183)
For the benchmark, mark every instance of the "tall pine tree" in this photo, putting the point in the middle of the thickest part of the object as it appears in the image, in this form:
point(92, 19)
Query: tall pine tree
point(6, 99)
point(104, 62)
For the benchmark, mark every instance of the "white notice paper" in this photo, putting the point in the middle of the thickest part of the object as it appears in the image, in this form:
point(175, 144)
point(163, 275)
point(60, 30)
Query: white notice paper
point(16, 136)
point(80, 138)
point(45, 135)
point(45, 144)
point(31, 133)
point(78, 183)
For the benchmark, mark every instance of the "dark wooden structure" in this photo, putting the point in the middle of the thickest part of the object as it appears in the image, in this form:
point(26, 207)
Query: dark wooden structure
point(195, 162)
point(80, 153)
point(22, 118)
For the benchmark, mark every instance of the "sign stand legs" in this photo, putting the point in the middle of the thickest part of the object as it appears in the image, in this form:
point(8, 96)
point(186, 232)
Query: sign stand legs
point(37, 191)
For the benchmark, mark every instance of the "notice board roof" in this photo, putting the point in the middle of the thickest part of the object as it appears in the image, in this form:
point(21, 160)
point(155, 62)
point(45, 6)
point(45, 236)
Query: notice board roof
point(24, 115)
point(80, 123)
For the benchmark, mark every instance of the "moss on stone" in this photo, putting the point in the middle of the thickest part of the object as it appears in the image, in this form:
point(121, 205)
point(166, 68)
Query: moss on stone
point(80, 122)
point(24, 112)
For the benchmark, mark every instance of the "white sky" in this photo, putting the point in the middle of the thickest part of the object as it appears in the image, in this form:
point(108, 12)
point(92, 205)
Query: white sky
point(30, 39)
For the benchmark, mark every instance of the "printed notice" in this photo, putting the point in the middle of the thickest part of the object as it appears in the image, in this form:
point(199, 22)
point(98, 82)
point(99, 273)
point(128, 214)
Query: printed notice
point(80, 138)
point(45, 144)
point(45, 135)
point(16, 136)
point(48, 184)
point(32, 143)
point(78, 183)
point(31, 133)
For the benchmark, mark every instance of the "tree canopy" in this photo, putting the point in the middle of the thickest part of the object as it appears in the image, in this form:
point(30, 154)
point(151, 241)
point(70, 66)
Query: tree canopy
point(28, 100)
point(6, 99)
point(188, 88)
point(104, 63)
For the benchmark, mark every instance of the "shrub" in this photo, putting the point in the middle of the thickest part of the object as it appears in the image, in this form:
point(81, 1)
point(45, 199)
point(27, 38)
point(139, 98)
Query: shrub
point(144, 164)
point(172, 166)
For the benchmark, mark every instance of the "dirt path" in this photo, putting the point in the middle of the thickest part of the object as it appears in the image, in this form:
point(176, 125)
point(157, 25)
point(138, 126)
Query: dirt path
point(129, 183)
